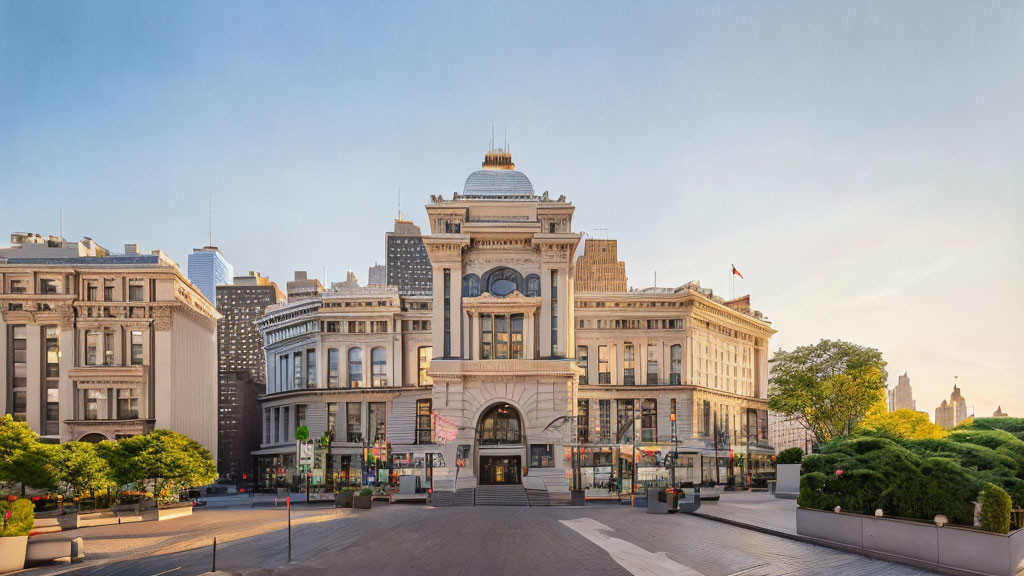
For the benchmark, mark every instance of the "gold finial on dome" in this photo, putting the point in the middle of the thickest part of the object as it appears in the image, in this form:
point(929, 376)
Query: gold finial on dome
point(498, 159)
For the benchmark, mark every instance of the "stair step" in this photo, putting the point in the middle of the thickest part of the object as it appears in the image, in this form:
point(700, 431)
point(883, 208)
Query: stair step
point(538, 497)
point(443, 498)
point(465, 497)
point(501, 496)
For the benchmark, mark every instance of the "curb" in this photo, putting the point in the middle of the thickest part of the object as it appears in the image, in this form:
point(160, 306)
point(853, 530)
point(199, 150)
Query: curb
point(761, 529)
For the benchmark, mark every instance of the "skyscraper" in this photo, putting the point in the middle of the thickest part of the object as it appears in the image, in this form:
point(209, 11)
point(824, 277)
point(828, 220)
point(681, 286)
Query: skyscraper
point(599, 269)
point(902, 395)
point(407, 263)
point(207, 269)
point(241, 369)
point(944, 415)
point(377, 275)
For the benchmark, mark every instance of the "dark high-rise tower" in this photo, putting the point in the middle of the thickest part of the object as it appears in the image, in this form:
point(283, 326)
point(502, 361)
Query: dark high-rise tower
point(408, 265)
point(241, 369)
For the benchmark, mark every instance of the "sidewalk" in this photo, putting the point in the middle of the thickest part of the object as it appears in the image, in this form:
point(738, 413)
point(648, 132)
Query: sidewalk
point(759, 511)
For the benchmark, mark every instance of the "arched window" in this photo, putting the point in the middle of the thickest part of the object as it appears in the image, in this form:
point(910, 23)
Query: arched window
point(676, 375)
point(379, 358)
point(533, 285)
point(502, 281)
point(470, 285)
point(500, 425)
point(355, 367)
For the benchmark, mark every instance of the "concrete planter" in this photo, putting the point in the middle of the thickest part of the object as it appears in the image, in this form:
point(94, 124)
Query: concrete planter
point(12, 553)
point(787, 483)
point(950, 549)
point(343, 499)
point(161, 514)
point(362, 502)
point(577, 497)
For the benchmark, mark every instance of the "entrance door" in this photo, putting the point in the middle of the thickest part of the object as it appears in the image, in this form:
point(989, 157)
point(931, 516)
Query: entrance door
point(500, 470)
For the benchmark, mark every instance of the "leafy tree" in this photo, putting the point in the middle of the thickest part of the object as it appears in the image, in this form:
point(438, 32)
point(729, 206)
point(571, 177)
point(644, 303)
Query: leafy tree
point(169, 460)
point(15, 438)
point(904, 424)
point(36, 467)
point(829, 387)
point(80, 467)
point(1014, 426)
point(302, 433)
point(995, 509)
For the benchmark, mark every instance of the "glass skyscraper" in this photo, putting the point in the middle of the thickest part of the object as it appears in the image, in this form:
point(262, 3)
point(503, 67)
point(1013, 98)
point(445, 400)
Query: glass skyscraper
point(207, 268)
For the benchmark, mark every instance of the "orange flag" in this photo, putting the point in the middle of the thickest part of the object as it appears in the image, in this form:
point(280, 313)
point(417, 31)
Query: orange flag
point(737, 272)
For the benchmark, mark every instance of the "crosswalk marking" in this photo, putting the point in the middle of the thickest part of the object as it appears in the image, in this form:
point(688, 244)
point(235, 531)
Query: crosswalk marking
point(634, 559)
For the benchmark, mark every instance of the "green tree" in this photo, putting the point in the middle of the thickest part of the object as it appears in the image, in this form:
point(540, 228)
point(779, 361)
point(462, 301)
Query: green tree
point(36, 467)
point(15, 439)
point(905, 424)
point(995, 509)
point(80, 467)
point(170, 461)
point(830, 386)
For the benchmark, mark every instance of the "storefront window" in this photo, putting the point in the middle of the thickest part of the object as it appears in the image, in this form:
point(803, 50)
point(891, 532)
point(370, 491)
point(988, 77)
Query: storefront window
point(541, 456)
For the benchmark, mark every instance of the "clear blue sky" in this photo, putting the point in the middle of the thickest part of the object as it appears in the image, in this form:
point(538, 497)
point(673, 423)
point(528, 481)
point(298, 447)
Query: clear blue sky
point(861, 163)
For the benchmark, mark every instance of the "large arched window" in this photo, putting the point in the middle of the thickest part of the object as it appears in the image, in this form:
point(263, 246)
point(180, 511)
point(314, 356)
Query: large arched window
point(379, 359)
point(501, 281)
point(532, 285)
point(500, 425)
point(470, 285)
point(355, 367)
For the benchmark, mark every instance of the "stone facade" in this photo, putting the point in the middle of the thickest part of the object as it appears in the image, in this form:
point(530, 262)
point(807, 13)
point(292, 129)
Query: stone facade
point(902, 395)
point(98, 347)
point(599, 268)
point(505, 372)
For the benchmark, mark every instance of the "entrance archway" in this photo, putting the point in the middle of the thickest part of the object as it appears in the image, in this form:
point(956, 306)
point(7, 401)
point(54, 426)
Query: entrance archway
point(93, 437)
point(499, 437)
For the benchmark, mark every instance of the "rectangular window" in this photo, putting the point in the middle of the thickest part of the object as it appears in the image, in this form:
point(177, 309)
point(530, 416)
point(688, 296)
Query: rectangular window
point(19, 408)
point(624, 422)
point(652, 365)
point(554, 313)
point(296, 371)
point(705, 420)
point(277, 425)
point(289, 433)
point(583, 420)
point(628, 365)
point(332, 418)
point(91, 292)
point(355, 367)
point(300, 415)
point(447, 313)
point(423, 377)
point(353, 422)
point(501, 336)
point(135, 292)
point(542, 456)
point(377, 420)
point(95, 404)
point(379, 360)
point(136, 348)
point(311, 379)
point(424, 431)
point(47, 286)
point(108, 348)
point(649, 421)
point(582, 361)
point(332, 368)
point(604, 372)
point(266, 426)
point(486, 337)
point(127, 404)
point(52, 375)
point(604, 415)
point(108, 293)
point(52, 348)
point(517, 336)
point(676, 374)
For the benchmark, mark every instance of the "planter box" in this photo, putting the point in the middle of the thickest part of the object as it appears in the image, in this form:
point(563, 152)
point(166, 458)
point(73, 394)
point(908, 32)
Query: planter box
point(950, 549)
point(362, 502)
point(45, 552)
point(12, 553)
point(787, 481)
point(343, 499)
point(161, 514)
point(577, 497)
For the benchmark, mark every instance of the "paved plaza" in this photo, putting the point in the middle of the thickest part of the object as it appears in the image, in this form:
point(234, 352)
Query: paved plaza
point(413, 539)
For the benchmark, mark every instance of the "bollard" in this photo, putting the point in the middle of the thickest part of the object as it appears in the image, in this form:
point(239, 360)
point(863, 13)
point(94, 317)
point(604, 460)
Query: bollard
point(214, 568)
point(289, 504)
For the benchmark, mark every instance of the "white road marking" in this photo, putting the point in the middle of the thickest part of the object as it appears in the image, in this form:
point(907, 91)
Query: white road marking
point(167, 571)
point(634, 559)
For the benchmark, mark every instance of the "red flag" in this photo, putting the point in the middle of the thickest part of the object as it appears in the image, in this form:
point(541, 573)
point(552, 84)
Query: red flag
point(737, 272)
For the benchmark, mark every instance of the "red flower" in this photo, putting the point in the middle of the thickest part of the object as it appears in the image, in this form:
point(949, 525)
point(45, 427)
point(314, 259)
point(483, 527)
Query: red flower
point(839, 472)
point(12, 498)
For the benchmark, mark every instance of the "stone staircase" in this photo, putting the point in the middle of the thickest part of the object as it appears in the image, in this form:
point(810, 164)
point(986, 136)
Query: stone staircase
point(508, 495)
point(465, 497)
point(538, 497)
point(443, 498)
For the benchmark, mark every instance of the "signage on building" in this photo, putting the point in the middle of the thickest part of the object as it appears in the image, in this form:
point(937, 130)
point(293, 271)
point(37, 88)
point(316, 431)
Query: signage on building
point(305, 454)
point(444, 429)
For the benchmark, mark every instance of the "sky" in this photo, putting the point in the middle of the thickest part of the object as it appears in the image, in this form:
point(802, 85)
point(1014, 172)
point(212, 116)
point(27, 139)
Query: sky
point(862, 164)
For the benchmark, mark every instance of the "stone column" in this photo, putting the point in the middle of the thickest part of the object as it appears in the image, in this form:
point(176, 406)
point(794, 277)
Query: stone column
point(66, 387)
point(34, 395)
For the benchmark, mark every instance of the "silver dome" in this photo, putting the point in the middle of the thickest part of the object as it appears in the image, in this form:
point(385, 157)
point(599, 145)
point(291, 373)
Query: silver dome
point(495, 184)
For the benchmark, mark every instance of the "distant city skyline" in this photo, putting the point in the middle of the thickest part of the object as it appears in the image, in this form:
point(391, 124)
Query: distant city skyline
point(861, 167)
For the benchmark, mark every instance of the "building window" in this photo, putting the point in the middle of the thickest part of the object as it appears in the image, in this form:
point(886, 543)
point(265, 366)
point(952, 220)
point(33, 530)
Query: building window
point(277, 425)
point(501, 336)
point(311, 379)
point(470, 286)
point(533, 286)
point(355, 367)
point(136, 348)
point(542, 456)
point(108, 348)
point(422, 375)
point(19, 405)
point(583, 420)
point(652, 365)
point(604, 414)
point(93, 342)
point(583, 362)
point(296, 371)
point(127, 404)
point(628, 365)
point(332, 368)
point(300, 415)
point(500, 425)
point(554, 313)
point(447, 313)
point(52, 375)
point(424, 431)
point(135, 292)
point(47, 286)
point(95, 404)
point(266, 426)
point(289, 432)
point(354, 422)
point(377, 420)
point(604, 372)
point(676, 374)
point(649, 421)
point(108, 293)
point(332, 418)
point(379, 359)
point(91, 292)
point(624, 423)
point(705, 419)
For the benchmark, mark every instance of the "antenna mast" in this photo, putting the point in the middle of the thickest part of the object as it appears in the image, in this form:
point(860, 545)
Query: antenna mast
point(209, 237)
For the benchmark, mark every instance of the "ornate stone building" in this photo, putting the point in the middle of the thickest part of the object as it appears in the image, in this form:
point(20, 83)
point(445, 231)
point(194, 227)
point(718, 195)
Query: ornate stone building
point(98, 346)
point(507, 375)
point(599, 268)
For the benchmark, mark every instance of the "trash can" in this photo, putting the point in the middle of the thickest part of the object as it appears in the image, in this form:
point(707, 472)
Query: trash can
point(672, 500)
point(656, 501)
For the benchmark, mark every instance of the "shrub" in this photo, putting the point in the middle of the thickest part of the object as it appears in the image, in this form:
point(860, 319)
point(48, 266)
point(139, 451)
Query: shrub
point(995, 509)
point(790, 456)
point(366, 491)
point(17, 517)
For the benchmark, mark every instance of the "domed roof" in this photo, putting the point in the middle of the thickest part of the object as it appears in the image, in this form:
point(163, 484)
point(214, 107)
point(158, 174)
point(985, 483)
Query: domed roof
point(497, 184)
